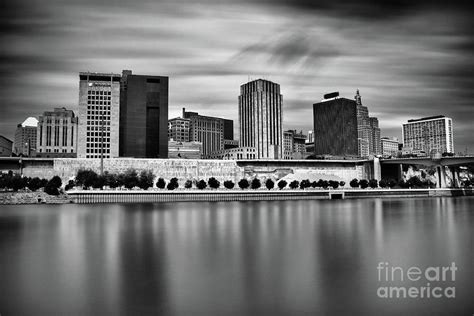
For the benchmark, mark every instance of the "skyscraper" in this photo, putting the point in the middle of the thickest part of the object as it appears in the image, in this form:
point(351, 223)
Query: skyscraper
point(363, 127)
point(143, 116)
point(375, 146)
point(57, 134)
point(428, 134)
point(260, 118)
point(99, 113)
point(335, 127)
point(25, 137)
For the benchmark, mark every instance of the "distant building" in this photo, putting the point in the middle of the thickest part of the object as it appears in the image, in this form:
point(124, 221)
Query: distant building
point(57, 134)
point(210, 131)
point(310, 138)
point(335, 127)
point(184, 150)
point(294, 145)
point(260, 118)
point(179, 129)
point(363, 127)
point(25, 138)
point(375, 146)
point(434, 133)
point(235, 153)
point(389, 146)
point(143, 116)
point(99, 115)
point(230, 143)
point(5, 146)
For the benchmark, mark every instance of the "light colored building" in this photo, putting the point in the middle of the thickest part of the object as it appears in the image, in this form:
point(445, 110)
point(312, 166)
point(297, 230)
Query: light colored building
point(389, 146)
point(434, 133)
point(260, 118)
point(6, 146)
point(25, 138)
point(294, 145)
point(184, 150)
point(99, 115)
point(235, 153)
point(178, 129)
point(310, 138)
point(57, 134)
point(375, 146)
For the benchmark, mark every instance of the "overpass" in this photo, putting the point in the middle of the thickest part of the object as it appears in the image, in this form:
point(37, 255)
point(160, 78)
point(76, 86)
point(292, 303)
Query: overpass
point(441, 164)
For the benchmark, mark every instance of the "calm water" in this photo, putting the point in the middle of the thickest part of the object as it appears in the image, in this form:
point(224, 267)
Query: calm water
point(241, 258)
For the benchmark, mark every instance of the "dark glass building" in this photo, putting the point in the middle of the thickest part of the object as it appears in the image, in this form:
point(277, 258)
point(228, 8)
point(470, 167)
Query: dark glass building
point(143, 116)
point(335, 127)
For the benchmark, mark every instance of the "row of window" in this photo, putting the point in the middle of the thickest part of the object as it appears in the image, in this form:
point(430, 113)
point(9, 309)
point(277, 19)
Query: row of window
point(101, 92)
point(97, 156)
point(98, 102)
point(98, 145)
point(97, 151)
point(97, 128)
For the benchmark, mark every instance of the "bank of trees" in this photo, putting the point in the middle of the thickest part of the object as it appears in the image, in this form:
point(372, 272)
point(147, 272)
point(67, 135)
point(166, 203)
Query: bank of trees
point(14, 182)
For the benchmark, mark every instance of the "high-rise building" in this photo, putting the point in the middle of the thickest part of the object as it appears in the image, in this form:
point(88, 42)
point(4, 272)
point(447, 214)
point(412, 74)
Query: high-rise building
point(99, 114)
point(6, 146)
point(178, 129)
point(310, 138)
point(210, 131)
point(143, 116)
point(25, 138)
point(335, 127)
point(294, 145)
point(57, 134)
point(261, 118)
point(389, 146)
point(375, 146)
point(434, 133)
point(363, 127)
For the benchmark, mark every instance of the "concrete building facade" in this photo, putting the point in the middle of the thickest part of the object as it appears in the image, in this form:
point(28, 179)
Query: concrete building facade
point(389, 146)
point(143, 127)
point(375, 146)
point(179, 129)
point(25, 138)
point(294, 145)
point(184, 150)
point(6, 147)
point(261, 118)
point(434, 133)
point(57, 134)
point(99, 115)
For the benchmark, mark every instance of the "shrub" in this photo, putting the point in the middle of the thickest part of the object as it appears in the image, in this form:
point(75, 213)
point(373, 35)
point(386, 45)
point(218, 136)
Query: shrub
point(294, 184)
point(86, 178)
point(53, 185)
point(188, 184)
point(305, 184)
point(34, 184)
point(69, 185)
point(213, 183)
point(364, 184)
point(383, 183)
point(130, 178)
point(354, 183)
point(373, 183)
point(145, 180)
point(282, 184)
point(467, 183)
point(99, 182)
point(314, 184)
point(201, 184)
point(243, 184)
point(334, 184)
point(391, 183)
point(325, 184)
point(255, 184)
point(402, 184)
point(269, 184)
point(112, 180)
point(342, 183)
point(173, 184)
point(160, 183)
point(17, 183)
point(229, 184)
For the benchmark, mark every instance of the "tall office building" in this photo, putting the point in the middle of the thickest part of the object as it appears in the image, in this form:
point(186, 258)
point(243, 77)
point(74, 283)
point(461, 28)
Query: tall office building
point(57, 134)
point(25, 138)
point(363, 127)
point(143, 116)
point(99, 113)
point(210, 131)
point(310, 138)
point(375, 146)
point(428, 134)
point(260, 118)
point(178, 129)
point(6, 146)
point(335, 127)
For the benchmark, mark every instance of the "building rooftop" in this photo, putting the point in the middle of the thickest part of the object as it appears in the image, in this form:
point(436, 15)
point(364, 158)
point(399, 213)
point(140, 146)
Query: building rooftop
point(31, 121)
point(426, 118)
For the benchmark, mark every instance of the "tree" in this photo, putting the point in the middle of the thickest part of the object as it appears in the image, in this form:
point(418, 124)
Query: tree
point(70, 184)
point(383, 183)
point(145, 180)
point(173, 184)
point(282, 184)
point(86, 178)
point(325, 184)
point(269, 184)
point(294, 184)
point(305, 184)
point(160, 183)
point(391, 183)
point(314, 184)
point(130, 178)
point(53, 185)
point(112, 180)
point(334, 184)
point(34, 184)
point(373, 183)
point(229, 184)
point(243, 184)
point(342, 183)
point(467, 183)
point(99, 182)
point(255, 184)
point(402, 184)
point(201, 184)
point(17, 183)
point(354, 183)
point(188, 184)
point(364, 184)
point(213, 183)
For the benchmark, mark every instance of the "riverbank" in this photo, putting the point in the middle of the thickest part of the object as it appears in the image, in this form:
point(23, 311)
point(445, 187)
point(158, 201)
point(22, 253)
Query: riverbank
point(39, 197)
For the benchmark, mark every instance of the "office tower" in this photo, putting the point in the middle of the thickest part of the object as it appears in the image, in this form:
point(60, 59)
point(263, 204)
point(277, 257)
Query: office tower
point(389, 146)
point(434, 133)
point(178, 129)
point(310, 138)
point(294, 145)
point(25, 138)
point(143, 116)
point(363, 127)
point(57, 134)
point(260, 118)
point(99, 113)
point(210, 131)
point(335, 127)
point(375, 147)
point(6, 146)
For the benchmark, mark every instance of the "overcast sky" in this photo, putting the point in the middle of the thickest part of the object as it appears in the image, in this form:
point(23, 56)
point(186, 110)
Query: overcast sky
point(408, 60)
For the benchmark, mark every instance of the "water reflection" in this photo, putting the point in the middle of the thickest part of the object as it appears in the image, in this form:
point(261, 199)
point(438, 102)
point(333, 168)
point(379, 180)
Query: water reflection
point(278, 258)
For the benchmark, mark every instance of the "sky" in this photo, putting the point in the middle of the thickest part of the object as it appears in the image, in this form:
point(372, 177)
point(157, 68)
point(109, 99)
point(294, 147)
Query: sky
point(409, 59)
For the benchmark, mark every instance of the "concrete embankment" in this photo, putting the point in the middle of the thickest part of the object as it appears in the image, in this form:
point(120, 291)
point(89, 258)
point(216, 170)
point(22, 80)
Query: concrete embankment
point(11, 198)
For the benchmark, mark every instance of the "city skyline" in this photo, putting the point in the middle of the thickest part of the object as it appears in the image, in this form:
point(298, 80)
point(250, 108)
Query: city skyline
point(409, 61)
